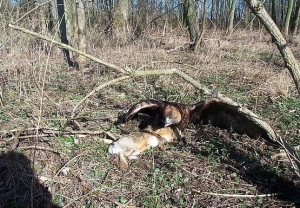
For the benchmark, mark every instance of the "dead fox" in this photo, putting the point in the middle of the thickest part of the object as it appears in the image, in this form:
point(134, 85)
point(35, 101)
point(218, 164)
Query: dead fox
point(134, 144)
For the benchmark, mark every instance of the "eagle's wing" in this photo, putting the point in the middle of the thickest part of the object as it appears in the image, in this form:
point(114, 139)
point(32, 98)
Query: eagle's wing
point(149, 107)
point(226, 116)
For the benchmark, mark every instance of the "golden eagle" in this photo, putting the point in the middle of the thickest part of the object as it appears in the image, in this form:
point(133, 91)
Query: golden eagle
point(210, 111)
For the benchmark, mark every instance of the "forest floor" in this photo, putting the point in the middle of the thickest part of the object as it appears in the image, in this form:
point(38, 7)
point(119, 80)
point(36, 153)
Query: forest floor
point(47, 158)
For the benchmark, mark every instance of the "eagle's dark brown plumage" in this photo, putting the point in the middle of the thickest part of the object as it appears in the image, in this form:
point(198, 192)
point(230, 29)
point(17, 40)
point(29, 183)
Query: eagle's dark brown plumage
point(164, 113)
point(210, 111)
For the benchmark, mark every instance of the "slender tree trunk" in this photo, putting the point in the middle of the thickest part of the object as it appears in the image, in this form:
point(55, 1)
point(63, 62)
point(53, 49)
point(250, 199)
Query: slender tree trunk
point(288, 17)
point(226, 13)
point(251, 22)
point(81, 33)
point(42, 19)
point(274, 11)
point(296, 20)
point(191, 22)
point(63, 30)
point(218, 13)
point(203, 26)
point(222, 11)
point(70, 17)
point(143, 16)
point(54, 14)
point(212, 10)
point(289, 59)
point(231, 17)
point(247, 16)
point(282, 14)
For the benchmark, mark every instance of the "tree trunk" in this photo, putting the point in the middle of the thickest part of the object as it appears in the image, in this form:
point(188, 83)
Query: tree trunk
point(143, 16)
point(191, 22)
point(203, 26)
point(81, 33)
point(121, 13)
point(296, 20)
point(289, 59)
point(217, 12)
point(288, 17)
point(54, 14)
point(63, 30)
point(70, 17)
point(222, 11)
point(274, 11)
point(248, 18)
point(251, 22)
point(283, 13)
point(231, 17)
point(42, 18)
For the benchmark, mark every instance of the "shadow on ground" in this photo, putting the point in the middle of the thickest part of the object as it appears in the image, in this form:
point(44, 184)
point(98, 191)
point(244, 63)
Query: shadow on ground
point(19, 187)
point(249, 159)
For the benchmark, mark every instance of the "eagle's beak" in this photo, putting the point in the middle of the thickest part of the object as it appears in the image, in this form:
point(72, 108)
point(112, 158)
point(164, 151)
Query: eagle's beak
point(167, 122)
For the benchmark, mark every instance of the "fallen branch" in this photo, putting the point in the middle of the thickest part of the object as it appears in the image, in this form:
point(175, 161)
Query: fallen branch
point(46, 132)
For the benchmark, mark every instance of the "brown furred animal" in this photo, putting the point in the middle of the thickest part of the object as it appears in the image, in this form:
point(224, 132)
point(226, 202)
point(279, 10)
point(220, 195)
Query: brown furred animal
point(134, 144)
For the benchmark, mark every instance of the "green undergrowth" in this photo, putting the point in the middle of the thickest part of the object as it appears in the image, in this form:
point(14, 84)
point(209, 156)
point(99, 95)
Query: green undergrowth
point(286, 112)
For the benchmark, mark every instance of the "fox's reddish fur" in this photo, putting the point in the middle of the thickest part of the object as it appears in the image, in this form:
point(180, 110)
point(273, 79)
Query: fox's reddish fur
point(135, 143)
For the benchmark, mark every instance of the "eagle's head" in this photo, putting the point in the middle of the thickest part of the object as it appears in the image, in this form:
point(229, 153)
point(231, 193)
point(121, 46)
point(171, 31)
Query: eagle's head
point(171, 115)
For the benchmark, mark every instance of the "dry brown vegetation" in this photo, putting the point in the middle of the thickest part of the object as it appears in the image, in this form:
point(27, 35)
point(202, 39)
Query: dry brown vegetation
point(215, 168)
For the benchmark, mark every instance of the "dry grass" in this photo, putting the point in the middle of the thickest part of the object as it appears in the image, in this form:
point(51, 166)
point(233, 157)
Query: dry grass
point(215, 168)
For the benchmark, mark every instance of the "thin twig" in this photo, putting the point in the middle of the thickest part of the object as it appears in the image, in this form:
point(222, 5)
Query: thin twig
point(51, 131)
point(117, 80)
point(97, 89)
point(238, 195)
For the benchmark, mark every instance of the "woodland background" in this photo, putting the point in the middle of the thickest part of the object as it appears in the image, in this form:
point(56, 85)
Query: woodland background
point(52, 149)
